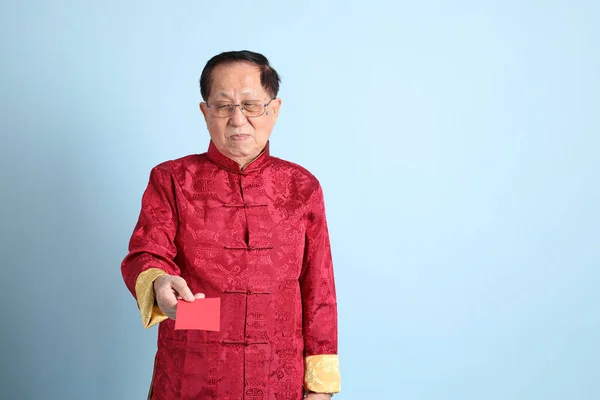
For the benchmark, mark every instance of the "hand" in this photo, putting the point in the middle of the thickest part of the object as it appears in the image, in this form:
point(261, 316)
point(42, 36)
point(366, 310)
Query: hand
point(317, 396)
point(168, 289)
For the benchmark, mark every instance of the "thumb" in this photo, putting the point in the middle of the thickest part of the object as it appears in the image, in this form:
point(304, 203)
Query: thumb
point(199, 296)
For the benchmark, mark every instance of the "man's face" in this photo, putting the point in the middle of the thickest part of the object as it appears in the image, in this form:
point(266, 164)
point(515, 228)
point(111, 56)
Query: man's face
point(239, 137)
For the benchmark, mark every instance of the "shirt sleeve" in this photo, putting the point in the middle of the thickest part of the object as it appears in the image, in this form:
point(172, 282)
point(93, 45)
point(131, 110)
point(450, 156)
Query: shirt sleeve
point(151, 248)
point(320, 324)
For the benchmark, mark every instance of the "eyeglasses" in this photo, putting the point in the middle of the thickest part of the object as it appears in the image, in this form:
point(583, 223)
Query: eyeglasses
point(250, 108)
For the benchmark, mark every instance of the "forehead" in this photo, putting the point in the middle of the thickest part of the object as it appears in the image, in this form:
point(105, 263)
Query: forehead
point(236, 79)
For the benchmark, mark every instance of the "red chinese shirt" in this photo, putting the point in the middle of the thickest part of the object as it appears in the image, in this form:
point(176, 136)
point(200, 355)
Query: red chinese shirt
point(258, 239)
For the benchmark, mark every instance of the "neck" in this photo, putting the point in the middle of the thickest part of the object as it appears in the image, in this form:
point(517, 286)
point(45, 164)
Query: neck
point(245, 161)
point(240, 163)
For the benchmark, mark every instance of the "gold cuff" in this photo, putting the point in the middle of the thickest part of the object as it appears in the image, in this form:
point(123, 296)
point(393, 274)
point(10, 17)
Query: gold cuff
point(144, 292)
point(322, 373)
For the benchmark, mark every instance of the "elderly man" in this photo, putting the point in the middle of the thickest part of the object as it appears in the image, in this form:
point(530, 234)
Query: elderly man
point(238, 224)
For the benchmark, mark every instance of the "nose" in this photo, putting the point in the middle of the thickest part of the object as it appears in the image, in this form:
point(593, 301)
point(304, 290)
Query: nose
point(238, 118)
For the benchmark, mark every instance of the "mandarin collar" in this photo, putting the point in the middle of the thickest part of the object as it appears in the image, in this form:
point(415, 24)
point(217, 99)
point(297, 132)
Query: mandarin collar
point(228, 164)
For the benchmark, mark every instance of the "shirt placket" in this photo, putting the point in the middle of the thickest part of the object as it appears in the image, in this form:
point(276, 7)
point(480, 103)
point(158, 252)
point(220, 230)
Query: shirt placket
point(257, 347)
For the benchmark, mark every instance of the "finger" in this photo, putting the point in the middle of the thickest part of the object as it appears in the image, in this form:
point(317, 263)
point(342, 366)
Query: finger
point(182, 289)
point(199, 295)
point(166, 299)
point(168, 311)
point(167, 294)
point(167, 303)
point(171, 315)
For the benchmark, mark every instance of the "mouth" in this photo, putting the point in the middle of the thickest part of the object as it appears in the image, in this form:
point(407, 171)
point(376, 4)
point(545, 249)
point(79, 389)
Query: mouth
point(239, 137)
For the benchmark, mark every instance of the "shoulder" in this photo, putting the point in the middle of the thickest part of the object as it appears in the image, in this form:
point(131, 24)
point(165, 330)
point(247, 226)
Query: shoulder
point(185, 162)
point(302, 182)
point(183, 169)
point(191, 163)
point(296, 172)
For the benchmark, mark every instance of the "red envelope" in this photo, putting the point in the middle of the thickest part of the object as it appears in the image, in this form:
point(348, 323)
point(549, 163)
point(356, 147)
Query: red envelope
point(201, 314)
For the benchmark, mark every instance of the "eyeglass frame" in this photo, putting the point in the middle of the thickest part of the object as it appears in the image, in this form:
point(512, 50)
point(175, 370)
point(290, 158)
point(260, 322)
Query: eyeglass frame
point(233, 106)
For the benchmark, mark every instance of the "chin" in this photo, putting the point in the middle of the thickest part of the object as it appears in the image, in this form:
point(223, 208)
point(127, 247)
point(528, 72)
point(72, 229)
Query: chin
point(243, 150)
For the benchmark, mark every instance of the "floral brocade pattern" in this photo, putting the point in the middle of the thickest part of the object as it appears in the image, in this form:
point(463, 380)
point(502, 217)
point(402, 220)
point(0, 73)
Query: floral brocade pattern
point(144, 292)
point(322, 373)
point(257, 239)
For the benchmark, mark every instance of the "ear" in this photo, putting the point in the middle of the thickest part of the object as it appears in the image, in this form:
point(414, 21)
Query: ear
point(275, 105)
point(204, 109)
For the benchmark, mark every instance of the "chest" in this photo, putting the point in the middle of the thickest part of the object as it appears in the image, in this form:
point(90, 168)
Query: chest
point(239, 228)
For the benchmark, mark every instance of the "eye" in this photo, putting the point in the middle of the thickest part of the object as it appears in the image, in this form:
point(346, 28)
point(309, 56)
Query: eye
point(222, 106)
point(252, 106)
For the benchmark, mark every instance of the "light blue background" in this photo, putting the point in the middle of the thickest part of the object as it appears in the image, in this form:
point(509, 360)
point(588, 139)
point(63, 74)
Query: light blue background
point(457, 144)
